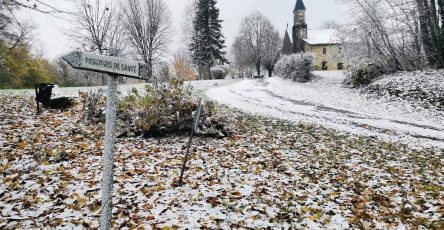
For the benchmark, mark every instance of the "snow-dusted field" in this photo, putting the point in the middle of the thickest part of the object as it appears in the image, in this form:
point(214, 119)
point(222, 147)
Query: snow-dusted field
point(123, 89)
point(325, 102)
point(272, 174)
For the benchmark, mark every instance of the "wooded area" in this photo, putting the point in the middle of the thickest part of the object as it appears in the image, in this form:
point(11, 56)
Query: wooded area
point(395, 35)
point(19, 67)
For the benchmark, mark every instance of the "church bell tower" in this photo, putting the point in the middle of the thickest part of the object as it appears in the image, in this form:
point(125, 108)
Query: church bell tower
point(299, 27)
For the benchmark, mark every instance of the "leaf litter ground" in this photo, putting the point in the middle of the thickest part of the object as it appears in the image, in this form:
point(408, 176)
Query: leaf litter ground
point(270, 174)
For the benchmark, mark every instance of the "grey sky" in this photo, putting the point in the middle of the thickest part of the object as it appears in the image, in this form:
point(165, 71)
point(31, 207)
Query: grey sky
point(51, 40)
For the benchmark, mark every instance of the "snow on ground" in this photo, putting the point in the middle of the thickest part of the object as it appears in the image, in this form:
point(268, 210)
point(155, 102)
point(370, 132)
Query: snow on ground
point(123, 89)
point(421, 88)
point(270, 174)
point(325, 102)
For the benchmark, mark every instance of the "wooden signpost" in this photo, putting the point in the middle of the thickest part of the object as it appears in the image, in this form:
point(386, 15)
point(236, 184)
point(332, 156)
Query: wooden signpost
point(106, 64)
point(115, 67)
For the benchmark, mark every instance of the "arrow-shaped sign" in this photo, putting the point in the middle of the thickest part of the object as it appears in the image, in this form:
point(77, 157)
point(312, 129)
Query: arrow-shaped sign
point(114, 67)
point(107, 64)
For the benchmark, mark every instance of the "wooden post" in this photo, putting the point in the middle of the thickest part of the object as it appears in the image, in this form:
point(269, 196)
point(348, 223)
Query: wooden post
point(115, 67)
point(108, 159)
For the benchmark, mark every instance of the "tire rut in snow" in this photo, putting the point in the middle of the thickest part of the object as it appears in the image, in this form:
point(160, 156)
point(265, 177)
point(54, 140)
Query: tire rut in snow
point(350, 114)
point(262, 97)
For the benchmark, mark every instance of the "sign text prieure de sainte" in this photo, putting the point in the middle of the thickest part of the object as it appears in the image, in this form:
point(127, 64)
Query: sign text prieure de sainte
point(106, 64)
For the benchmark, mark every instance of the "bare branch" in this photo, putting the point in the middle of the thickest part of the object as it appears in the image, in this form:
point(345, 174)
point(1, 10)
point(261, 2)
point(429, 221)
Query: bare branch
point(148, 24)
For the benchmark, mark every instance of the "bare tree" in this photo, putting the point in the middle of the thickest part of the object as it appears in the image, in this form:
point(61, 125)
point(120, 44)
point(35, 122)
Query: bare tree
point(258, 37)
point(187, 26)
point(148, 25)
point(182, 65)
point(329, 24)
point(35, 5)
point(272, 50)
point(243, 58)
point(12, 31)
point(187, 29)
point(383, 32)
point(63, 71)
point(96, 28)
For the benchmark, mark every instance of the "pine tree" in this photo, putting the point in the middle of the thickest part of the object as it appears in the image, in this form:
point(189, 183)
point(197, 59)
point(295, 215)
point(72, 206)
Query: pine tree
point(207, 42)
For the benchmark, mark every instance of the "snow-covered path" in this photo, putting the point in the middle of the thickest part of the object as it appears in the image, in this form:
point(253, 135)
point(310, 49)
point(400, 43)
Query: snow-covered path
point(325, 102)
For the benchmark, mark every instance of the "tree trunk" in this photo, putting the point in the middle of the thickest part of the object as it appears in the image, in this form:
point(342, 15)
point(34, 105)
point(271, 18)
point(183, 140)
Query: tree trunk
point(150, 59)
point(200, 70)
point(150, 68)
point(440, 31)
point(425, 33)
point(433, 24)
point(417, 37)
point(208, 72)
point(432, 16)
point(258, 68)
point(441, 13)
point(204, 72)
point(270, 72)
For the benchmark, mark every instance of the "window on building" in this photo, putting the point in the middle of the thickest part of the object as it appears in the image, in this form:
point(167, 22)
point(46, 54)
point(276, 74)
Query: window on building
point(324, 51)
point(340, 66)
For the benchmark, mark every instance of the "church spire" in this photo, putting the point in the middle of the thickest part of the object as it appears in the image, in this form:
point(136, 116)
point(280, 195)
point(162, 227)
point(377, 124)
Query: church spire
point(299, 6)
point(299, 27)
point(287, 47)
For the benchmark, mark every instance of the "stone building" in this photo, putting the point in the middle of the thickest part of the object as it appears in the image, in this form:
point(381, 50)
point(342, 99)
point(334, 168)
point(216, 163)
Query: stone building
point(322, 43)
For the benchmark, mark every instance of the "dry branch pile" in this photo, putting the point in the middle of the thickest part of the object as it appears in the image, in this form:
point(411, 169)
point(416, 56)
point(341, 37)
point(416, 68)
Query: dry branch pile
point(164, 109)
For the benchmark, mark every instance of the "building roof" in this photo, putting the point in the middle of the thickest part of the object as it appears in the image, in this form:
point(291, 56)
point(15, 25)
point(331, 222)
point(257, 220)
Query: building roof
point(299, 5)
point(287, 47)
point(322, 37)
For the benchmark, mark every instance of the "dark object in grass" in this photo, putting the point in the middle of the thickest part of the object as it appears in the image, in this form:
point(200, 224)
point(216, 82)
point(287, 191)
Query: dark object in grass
point(44, 95)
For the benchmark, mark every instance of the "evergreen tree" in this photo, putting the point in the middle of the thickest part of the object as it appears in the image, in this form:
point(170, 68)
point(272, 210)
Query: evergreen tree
point(207, 42)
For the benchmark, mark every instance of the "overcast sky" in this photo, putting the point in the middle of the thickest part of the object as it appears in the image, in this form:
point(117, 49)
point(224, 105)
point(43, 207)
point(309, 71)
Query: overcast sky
point(51, 40)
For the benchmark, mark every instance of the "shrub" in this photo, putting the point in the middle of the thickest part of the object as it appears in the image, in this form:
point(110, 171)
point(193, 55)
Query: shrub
point(296, 67)
point(166, 108)
point(94, 104)
point(220, 72)
point(363, 74)
point(183, 67)
point(217, 73)
point(421, 88)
